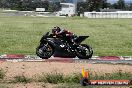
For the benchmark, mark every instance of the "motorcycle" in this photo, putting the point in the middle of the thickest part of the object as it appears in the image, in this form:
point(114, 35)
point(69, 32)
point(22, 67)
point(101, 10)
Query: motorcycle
point(58, 46)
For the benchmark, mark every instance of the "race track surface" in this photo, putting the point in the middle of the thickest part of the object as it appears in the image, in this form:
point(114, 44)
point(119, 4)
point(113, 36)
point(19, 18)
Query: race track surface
point(93, 60)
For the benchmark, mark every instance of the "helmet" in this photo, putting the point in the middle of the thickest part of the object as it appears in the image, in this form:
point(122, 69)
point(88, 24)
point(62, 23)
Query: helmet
point(56, 29)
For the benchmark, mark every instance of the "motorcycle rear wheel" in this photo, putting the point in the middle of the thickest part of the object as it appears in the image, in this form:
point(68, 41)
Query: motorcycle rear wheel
point(45, 51)
point(84, 51)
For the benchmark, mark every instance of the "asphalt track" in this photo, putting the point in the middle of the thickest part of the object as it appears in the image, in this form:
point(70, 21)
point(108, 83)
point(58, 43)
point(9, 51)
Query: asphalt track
point(68, 60)
point(93, 60)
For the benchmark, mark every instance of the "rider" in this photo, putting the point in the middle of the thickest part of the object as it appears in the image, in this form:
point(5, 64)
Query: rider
point(64, 33)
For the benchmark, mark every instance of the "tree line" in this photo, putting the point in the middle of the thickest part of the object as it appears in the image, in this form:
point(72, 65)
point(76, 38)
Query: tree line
point(89, 5)
point(96, 5)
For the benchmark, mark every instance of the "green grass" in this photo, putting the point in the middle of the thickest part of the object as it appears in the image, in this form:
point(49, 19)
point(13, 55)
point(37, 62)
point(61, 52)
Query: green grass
point(21, 79)
point(4, 86)
point(89, 86)
point(2, 74)
point(71, 81)
point(56, 78)
point(118, 75)
point(1, 10)
point(21, 35)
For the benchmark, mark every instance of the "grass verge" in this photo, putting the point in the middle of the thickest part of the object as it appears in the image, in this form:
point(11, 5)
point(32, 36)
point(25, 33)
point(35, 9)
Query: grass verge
point(21, 79)
point(4, 86)
point(108, 37)
point(119, 75)
point(75, 78)
point(56, 78)
point(2, 74)
point(52, 78)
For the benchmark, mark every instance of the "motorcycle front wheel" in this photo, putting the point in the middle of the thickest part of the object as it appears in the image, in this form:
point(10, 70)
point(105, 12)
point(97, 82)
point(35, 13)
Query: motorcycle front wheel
point(44, 51)
point(84, 51)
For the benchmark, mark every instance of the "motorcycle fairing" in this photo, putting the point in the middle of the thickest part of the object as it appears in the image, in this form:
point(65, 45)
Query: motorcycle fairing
point(80, 39)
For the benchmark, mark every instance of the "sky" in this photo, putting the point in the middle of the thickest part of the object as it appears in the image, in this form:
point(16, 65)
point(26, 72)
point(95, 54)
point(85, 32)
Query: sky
point(113, 1)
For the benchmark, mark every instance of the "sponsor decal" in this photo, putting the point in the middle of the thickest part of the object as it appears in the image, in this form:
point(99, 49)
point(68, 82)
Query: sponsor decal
point(109, 82)
point(85, 80)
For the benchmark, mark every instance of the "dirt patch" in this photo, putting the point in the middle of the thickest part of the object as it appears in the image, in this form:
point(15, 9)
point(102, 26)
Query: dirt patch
point(28, 85)
point(30, 69)
point(37, 68)
point(47, 85)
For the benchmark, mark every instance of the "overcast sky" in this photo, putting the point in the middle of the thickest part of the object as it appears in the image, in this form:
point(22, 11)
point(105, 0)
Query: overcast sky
point(113, 1)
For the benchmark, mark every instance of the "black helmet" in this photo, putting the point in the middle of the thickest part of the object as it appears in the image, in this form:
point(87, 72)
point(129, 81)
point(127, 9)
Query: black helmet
point(56, 29)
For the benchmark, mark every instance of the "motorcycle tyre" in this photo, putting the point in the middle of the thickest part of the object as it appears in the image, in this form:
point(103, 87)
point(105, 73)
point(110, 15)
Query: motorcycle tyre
point(44, 57)
point(85, 57)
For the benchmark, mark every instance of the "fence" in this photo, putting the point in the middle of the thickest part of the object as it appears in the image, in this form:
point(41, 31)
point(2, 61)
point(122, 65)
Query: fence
point(118, 14)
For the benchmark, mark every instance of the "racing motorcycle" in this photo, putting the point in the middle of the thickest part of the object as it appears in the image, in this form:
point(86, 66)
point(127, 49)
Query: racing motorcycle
point(58, 46)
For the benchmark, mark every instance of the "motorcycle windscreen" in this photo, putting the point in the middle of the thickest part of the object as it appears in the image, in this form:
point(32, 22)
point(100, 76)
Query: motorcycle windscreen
point(80, 39)
point(44, 36)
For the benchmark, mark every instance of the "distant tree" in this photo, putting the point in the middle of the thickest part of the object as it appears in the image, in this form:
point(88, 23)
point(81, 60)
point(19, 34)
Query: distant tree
point(40, 4)
point(92, 5)
point(81, 10)
point(54, 6)
point(15, 4)
point(81, 7)
point(24, 4)
point(0, 3)
point(121, 4)
point(128, 7)
point(114, 6)
point(4, 4)
point(109, 5)
point(104, 4)
point(62, 1)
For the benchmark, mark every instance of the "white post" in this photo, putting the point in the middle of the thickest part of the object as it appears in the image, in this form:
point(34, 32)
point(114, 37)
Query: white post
point(75, 2)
